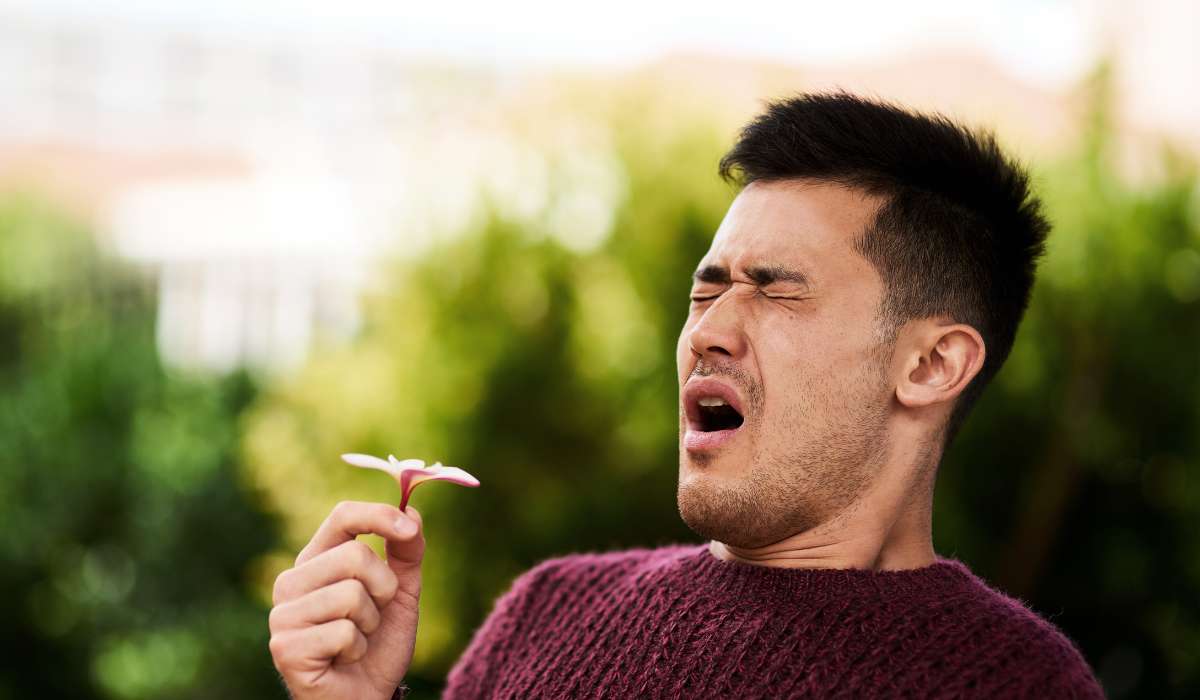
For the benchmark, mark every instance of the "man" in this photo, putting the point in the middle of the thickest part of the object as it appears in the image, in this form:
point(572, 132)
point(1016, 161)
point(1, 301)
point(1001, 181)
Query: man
point(863, 288)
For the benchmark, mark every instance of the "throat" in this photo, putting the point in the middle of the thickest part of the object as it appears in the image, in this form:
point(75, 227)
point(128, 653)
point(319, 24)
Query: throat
point(876, 535)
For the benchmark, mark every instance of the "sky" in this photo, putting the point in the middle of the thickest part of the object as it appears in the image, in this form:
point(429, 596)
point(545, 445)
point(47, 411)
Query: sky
point(1047, 41)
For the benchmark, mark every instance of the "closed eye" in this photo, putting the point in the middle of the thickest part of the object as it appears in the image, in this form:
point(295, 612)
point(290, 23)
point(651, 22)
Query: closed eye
point(710, 297)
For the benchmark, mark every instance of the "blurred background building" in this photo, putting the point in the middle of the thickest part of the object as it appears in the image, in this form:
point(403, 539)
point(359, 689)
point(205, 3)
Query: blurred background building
point(258, 161)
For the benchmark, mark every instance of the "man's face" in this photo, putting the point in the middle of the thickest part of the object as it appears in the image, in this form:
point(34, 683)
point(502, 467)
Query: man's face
point(782, 327)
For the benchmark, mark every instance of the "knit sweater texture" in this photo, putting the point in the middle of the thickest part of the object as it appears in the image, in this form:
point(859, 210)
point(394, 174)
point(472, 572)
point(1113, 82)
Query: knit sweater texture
point(677, 622)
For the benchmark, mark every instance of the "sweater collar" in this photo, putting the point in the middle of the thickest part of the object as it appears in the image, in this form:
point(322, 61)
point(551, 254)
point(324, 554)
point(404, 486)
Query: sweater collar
point(741, 578)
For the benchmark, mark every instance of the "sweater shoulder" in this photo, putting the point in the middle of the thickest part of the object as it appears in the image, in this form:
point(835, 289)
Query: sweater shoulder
point(597, 566)
point(587, 570)
point(612, 562)
point(1014, 622)
point(1019, 646)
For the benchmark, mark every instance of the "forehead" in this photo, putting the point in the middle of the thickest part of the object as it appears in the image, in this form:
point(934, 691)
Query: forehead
point(804, 225)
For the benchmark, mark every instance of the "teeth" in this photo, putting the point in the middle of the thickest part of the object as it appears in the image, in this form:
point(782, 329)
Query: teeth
point(712, 401)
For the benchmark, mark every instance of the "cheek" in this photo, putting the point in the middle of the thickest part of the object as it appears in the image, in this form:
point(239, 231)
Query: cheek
point(795, 366)
point(681, 352)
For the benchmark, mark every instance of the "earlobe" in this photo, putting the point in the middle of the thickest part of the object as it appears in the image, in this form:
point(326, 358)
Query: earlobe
point(940, 368)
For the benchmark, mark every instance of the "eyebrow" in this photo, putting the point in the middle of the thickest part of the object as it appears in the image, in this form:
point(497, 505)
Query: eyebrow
point(761, 274)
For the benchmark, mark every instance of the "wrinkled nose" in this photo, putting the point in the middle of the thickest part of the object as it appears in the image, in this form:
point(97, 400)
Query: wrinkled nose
point(719, 331)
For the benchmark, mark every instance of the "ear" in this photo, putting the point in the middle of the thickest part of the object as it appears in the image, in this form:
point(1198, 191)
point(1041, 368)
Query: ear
point(939, 361)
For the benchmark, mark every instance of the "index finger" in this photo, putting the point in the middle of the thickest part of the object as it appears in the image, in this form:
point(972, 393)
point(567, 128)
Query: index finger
point(350, 519)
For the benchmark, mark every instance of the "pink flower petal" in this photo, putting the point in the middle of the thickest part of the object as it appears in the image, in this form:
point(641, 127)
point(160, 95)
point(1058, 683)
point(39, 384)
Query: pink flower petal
point(457, 476)
point(410, 472)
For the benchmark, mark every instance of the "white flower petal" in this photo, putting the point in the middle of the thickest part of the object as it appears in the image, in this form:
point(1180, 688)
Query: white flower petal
point(406, 463)
point(366, 461)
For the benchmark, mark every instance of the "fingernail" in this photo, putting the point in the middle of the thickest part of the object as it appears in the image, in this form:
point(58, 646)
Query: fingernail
point(405, 527)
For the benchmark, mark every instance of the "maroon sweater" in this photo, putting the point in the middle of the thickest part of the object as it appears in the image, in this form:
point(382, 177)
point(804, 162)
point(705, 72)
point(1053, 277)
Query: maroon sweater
point(678, 622)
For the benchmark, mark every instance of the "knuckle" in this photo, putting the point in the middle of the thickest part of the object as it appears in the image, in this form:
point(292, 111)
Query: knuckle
point(342, 510)
point(371, 621)
point(360, 647)
point(353, 652)
point(345, 632)
point(278, 646)
point(364, 556)
point(282, 589)
point(391, 584)
point(365, 605)
point(356, 592)
point(347, 594)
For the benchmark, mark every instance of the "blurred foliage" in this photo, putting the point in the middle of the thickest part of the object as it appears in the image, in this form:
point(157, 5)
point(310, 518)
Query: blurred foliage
point(1075, 486)
point(543, 365)
point(126, 535)
point(538, 353)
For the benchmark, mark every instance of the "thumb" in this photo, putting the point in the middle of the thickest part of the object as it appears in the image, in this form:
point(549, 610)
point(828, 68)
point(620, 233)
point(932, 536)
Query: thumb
point(406, 548)
point(393, 642)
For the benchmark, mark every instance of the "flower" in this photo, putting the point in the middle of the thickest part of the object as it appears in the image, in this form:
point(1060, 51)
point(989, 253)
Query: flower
point(410, 472)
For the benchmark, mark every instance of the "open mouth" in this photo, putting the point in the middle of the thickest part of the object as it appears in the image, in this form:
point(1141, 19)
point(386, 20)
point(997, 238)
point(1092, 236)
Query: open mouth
point(715, 414)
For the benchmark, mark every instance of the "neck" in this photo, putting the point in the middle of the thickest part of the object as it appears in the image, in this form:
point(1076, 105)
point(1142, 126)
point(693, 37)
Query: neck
point(889, 527)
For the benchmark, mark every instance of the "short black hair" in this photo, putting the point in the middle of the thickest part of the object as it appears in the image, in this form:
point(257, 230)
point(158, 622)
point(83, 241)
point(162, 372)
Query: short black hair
point(959, 232)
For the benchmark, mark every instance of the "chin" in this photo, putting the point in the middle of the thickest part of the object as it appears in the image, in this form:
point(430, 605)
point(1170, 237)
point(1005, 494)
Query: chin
point(694, 509)
point(726, 499)
point(709, 505)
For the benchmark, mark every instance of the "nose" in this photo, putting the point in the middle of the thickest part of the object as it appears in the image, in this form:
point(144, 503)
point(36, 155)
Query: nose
point(719, 330)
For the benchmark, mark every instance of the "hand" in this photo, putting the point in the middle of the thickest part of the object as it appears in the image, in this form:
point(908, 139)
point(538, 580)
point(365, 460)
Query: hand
point(344, 623)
